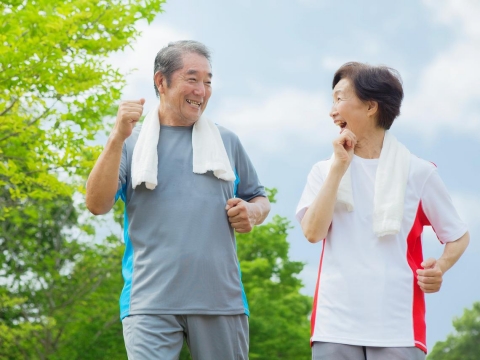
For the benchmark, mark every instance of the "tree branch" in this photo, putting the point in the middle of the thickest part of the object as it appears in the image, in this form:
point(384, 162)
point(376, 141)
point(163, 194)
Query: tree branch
point(30, 123)
point(7, 109)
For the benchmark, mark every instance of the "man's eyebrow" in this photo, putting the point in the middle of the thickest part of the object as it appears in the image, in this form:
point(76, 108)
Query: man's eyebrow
point(195, 72)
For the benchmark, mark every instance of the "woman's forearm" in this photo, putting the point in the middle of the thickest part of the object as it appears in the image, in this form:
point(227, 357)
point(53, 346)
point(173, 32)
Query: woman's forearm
point(452, 252)
point(318, 217)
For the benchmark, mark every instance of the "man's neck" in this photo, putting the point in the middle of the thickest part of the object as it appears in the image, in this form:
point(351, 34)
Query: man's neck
point(169, 119)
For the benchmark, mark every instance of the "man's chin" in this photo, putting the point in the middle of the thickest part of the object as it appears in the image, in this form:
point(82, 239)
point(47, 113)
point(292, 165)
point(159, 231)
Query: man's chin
point(195, 118)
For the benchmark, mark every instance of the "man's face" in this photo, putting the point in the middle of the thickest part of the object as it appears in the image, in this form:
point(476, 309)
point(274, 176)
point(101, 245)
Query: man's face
point(186, 96)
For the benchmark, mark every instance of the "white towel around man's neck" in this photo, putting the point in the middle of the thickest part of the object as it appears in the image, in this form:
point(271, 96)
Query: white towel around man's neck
point(390, 184)
point(209, 152)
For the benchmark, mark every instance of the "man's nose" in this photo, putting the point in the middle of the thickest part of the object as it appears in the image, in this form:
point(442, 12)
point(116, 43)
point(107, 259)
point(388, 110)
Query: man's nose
point(200, 89)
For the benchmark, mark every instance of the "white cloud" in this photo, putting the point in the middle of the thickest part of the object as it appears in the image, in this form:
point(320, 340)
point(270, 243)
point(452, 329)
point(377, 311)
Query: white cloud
point(331, 64)
point(460, 14)
point(448, 87)
point(448, 92)
point(279, 121)
point(299, 63)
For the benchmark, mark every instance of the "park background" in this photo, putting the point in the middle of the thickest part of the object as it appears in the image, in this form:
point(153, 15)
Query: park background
point(273, 63)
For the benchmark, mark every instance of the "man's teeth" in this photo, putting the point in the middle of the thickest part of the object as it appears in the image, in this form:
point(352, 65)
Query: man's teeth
point(193, 102)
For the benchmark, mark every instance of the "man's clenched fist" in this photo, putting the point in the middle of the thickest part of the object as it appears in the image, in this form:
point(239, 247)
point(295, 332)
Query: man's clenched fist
point(129, 112)
point(241, 215)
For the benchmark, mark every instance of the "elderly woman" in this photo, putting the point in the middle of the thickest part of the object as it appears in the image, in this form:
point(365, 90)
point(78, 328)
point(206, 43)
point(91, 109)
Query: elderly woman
point(368, 205)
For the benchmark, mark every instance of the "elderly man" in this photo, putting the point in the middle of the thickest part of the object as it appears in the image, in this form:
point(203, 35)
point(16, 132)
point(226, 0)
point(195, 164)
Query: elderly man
point(187, 185)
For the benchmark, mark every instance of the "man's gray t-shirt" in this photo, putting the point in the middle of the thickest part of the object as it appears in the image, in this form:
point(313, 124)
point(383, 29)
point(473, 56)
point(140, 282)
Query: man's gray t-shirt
point(180, 255)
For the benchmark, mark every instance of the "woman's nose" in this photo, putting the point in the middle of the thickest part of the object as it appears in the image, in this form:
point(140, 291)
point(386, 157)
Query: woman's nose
point(333, 111)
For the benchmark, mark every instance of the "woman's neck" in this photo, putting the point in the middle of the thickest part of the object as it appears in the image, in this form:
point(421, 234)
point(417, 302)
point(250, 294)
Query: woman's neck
point(369, 146)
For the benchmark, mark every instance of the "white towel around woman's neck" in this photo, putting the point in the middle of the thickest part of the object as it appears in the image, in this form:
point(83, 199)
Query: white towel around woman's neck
point(209, 152)
point(390, 184)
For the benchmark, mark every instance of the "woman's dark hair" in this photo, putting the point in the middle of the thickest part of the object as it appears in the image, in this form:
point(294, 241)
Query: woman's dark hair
point(375, 83)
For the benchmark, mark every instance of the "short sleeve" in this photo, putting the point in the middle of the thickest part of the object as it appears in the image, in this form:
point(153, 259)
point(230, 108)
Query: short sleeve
point(440, 211)
point(122, 175)
point(248, 185)
point(315, 180)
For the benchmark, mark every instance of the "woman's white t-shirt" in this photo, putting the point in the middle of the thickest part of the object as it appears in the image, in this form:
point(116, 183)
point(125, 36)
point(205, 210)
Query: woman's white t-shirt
point(367, 292)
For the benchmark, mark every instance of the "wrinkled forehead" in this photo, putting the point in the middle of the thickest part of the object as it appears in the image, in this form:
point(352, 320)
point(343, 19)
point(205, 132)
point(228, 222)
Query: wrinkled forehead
point(196, 64)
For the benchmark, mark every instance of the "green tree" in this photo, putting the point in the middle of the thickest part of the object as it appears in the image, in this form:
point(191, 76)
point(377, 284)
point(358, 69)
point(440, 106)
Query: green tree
point(464, 344)
point(56, 88)
point(60, 291)
point(57, 288)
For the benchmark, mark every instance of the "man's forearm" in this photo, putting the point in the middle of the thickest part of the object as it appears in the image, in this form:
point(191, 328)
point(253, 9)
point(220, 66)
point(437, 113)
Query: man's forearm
point(263, 208)
point(452, 252)
point(103, 180)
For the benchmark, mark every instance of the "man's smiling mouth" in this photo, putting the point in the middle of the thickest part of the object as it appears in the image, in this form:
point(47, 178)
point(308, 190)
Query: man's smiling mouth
point(192, 102)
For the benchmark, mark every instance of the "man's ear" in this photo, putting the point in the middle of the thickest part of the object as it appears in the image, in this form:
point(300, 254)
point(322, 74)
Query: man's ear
point(160, 82)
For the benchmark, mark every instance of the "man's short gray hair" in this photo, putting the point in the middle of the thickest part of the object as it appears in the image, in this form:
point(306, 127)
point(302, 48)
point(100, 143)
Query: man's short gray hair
point(169, 58)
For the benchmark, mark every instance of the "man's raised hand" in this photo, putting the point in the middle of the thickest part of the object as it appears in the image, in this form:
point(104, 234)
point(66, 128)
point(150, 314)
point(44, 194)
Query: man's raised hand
point(129, 112)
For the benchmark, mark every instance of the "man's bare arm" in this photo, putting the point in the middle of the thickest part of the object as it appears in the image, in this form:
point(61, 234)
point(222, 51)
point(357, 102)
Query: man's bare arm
point(243, 215)
point(102, 182)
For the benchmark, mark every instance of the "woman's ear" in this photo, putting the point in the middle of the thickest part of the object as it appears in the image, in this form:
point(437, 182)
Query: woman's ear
point(372, 108)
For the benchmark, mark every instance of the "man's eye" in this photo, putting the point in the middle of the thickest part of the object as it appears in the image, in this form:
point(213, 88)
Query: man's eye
point(192, 79)
point(208, 83)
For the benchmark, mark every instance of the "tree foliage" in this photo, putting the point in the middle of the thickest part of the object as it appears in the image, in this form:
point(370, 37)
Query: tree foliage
point(58, 290)
point(56, 284)
point(465, 342)
point(56, 88)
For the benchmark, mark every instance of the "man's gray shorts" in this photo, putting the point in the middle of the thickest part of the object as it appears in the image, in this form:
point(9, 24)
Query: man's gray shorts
point(209, 337)
point(333, 351)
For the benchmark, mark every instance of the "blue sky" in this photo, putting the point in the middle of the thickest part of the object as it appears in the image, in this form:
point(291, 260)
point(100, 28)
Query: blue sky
point(273, 63)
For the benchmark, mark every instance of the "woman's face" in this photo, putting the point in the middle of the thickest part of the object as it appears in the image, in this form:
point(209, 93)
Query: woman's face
point(348, 111)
